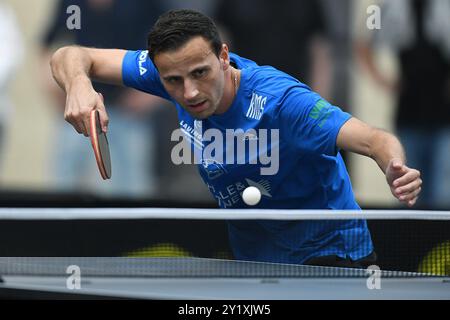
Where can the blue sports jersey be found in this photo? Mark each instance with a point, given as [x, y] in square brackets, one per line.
[279, 136]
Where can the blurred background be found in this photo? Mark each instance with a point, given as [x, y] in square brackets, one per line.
[386, 62]
[395, 77]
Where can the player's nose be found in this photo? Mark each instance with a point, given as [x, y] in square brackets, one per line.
[190, 91]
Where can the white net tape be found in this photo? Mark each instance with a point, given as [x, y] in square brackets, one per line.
[214, 214]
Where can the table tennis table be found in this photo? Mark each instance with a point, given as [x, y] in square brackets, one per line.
[209, 279]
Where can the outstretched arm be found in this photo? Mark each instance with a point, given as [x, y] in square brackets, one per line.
[74, 68]
[357, 136]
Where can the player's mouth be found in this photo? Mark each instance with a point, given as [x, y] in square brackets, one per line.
[198, 107]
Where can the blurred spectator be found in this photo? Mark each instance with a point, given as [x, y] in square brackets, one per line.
[337, 16]
[288, 34]
[107, 24]
[418, 32]
[11, 53]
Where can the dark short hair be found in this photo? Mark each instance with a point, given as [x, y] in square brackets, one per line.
[176, 27]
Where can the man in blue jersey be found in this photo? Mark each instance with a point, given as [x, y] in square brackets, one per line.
[296, 135]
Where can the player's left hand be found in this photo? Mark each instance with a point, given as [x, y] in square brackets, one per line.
[405, 183]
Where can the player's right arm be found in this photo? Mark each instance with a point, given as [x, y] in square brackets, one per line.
[74, 68]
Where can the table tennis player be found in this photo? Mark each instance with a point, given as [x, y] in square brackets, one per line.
[187, 63]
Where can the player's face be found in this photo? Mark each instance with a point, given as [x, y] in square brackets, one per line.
[194, 76]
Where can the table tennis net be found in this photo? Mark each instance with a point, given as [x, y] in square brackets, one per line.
[178, 268]
[158, 242]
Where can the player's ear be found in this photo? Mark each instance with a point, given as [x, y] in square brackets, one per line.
[224, 57]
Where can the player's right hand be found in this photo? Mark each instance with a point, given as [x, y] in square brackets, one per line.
[81, 99]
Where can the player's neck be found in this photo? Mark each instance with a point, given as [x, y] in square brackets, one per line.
[232, 82]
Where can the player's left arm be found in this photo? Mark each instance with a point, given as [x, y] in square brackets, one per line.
[383, 147]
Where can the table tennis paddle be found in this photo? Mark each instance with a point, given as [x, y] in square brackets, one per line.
[100, 145]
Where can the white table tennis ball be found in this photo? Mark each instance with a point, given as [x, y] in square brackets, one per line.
[251, 196]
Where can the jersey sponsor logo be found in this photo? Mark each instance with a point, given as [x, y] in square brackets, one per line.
[213, 169]
[142, 59]
[230, 195]
[193, 133]
[321, 112]
[262, 185]
[234, 146]
[256, 109]
[250, 136]
[198, 125]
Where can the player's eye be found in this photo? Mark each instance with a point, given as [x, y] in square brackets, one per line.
[173, 80]
[199, 73]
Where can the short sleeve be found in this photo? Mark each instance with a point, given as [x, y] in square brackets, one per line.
[311, 123]
[139, 72]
